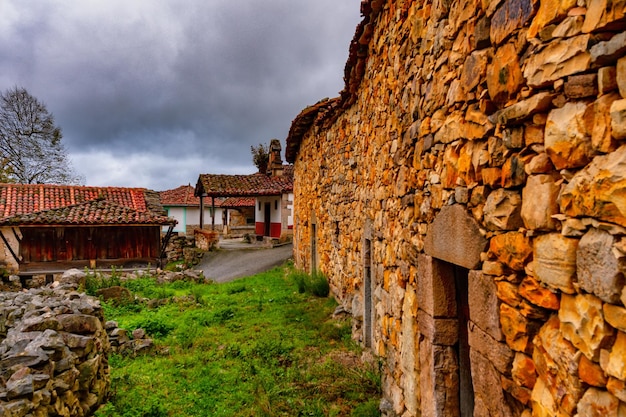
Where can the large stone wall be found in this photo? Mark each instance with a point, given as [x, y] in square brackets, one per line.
[53, 353]
[482, 140]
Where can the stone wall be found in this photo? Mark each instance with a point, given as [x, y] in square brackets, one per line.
[53, 353]
[466, 196]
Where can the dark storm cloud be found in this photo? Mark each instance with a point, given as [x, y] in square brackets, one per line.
[152, 93]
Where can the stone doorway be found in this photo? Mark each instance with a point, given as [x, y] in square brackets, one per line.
[453, 246]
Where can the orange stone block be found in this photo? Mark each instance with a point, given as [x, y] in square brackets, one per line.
[591, 373]
[512, 249]
[540, 296]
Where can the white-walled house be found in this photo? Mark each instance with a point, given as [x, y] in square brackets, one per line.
[181, 204]
[273, 195]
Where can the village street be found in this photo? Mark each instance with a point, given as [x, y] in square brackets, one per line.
[237, 260]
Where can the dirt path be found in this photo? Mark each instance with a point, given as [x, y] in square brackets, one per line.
[228, 264]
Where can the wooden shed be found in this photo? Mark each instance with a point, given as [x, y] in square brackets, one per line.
[50, 228]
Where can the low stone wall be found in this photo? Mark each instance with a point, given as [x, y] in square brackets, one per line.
[205, 239]
[53, 353]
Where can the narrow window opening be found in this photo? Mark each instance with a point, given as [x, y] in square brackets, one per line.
[466, 390]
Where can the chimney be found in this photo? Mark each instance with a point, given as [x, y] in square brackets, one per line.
[275, 165]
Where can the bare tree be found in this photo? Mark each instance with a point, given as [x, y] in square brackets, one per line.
[30, 143]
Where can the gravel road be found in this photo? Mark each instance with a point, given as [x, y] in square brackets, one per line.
[229, 264]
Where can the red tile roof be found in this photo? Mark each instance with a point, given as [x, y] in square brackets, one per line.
[236, 202]
[181, 196]
[214, 185]
[66, 204]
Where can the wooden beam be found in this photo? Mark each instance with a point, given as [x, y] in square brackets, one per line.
[212, 213]
[201, 211]
[6, 242]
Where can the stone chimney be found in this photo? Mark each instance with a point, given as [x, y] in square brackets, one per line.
[275, 164]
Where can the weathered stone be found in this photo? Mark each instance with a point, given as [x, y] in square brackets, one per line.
[618, 389]
[558, 60]
[508, 293]
[617, 76]
[539, 202]
[540, 296]
[510, 16]
[79, 323]
[598, 122]
[607, 78]
[603, 14]
[608, 52]
[498, 353]
[116, 293]
[439, 381]
[504, 75]
[488, 393]
[513, 172]
[591, 373]
[523, 371]
[483, 304]
[458, 127]
[556, 361]
[436, 283]
[502, 210]
[597, 403]
[582, 323]
[612, 360]
[521, 394]
[455, 237]
[512, 249]
[615, 316]
[618, 119]
[521, 110]
[598, 189]
[443, 332]
[549, 12]
[570, 26]
[73, 276]
[493, 268]
[555, 261]
[597, 266]
[516, 328]
[567, 142]
[539, 164]
[533, 135]
[513, 138]
[581, 86]
[474, 70]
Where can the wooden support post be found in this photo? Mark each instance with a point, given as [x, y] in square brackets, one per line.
[212, 213]
[201, 211]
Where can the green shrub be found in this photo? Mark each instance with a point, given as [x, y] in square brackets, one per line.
[154, 327]
[315, 284]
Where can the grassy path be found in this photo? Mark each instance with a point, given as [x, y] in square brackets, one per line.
[252, 347]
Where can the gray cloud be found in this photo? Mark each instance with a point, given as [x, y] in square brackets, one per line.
[153, 93]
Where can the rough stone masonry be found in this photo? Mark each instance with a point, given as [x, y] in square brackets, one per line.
[53, 352]
[466, 197]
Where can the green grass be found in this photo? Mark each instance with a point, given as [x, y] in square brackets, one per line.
[253, 347]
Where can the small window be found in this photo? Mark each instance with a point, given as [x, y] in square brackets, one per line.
[259, 206]
[275, 204]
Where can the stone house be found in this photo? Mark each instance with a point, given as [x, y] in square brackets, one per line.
[232, 215]
[469, 206]
[47, 229]
[272, 194]
[272, 191]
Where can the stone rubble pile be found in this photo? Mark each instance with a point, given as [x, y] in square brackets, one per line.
[53, 353]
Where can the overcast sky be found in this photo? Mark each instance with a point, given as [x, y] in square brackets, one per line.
[151, 93]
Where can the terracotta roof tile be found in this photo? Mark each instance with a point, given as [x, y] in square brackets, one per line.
[181, 196]
[44, 203]
[215, 185]
[235, 202]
